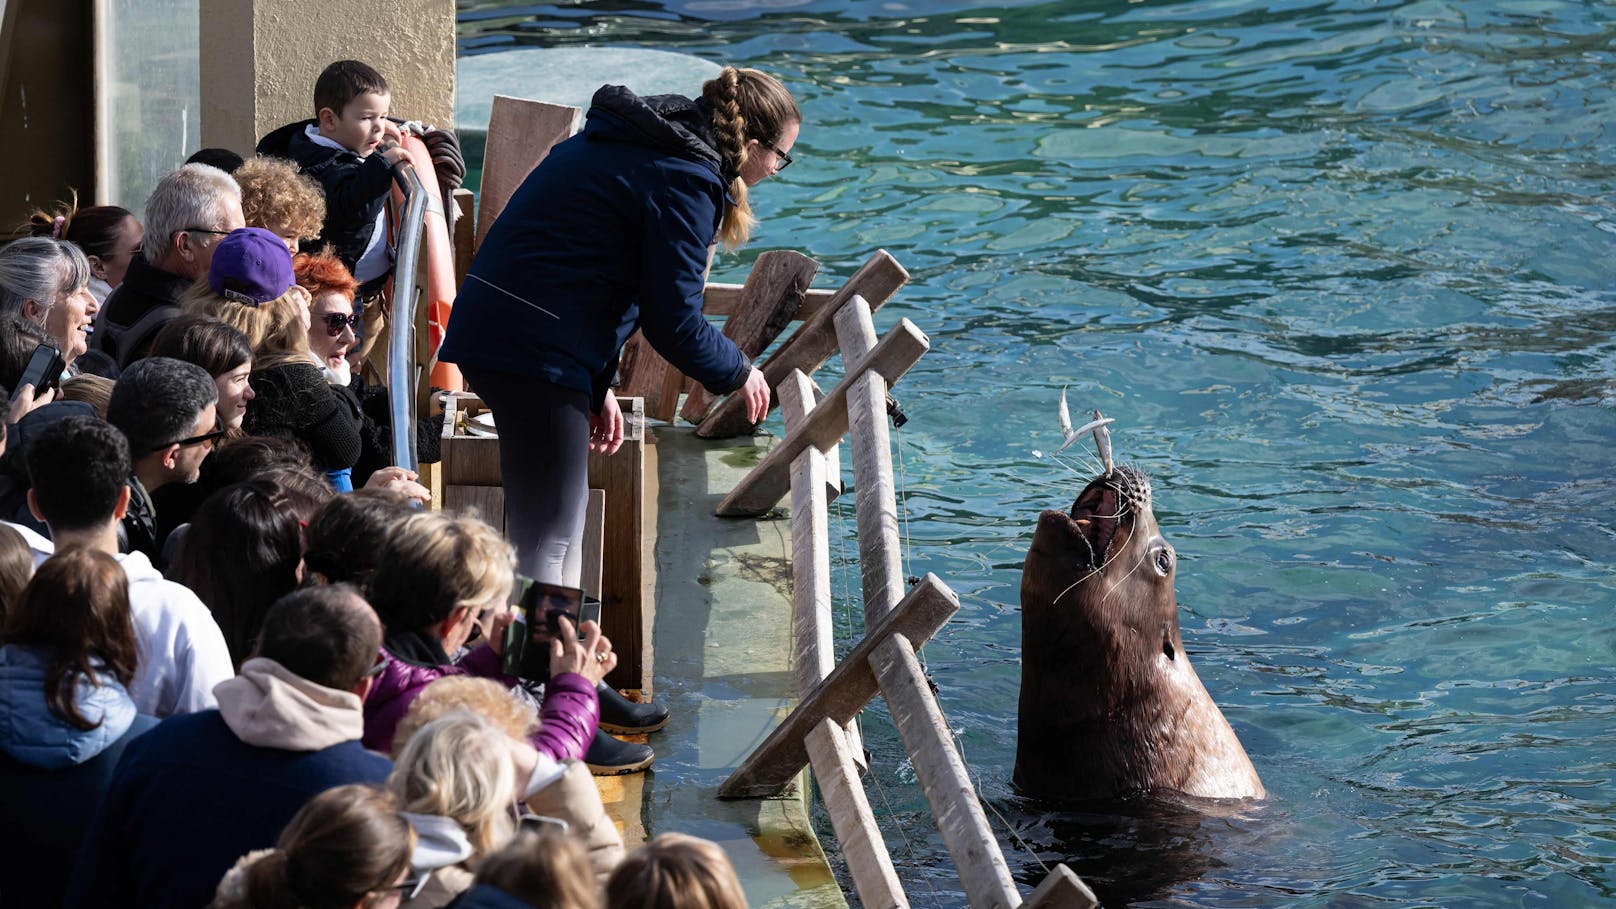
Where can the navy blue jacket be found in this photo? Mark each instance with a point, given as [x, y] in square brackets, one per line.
[188, 799]
[355, 190]
[608, 234]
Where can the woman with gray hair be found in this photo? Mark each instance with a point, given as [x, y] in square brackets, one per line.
[47, 282]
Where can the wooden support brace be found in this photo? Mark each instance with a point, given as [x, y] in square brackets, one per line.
[721, 299]
[856, 831]
[520, 134]
[759, 490]
[943, 776]
[465, 234]
[775, 763]
[594, 542]
[876, 504]
[770, 299]
[1062, 889]
[812, 343]
[646, 374]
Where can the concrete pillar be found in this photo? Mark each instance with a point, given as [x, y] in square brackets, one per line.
[260, 58]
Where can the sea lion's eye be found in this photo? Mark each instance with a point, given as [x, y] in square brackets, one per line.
[1164, 561]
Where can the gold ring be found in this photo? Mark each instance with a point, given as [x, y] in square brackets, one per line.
[600, 656]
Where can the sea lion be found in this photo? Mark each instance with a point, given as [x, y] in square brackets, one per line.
[1110, 705]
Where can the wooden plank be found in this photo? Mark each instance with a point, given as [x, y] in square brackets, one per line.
[942, 775]
[759, 490]
[624, 617]
[1062, 889]
[487, 502]
[646, 374]
[520, 133]
[812, 343]
[857, 835]
[875, 496]
[465, 233]
[771, 297]
[594, 542]
[720, 299]
[775, 763]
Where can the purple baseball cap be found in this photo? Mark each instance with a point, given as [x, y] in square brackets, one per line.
[250, 266]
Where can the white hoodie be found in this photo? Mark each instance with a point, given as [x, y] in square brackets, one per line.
[181, 649]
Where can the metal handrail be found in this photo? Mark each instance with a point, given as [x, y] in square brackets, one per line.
[401, 370]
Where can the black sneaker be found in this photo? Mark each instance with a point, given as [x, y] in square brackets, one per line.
[608, 756]
[620, 715]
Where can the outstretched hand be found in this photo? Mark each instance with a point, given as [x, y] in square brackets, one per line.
[606, 427]
[756, 392]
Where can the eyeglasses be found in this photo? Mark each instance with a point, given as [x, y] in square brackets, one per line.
[202, 230]
[377, 668]
[205, 438]
[785, 159]
[411, 886]
[335, 321]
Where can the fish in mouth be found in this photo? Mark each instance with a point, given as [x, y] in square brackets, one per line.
[1110, 705]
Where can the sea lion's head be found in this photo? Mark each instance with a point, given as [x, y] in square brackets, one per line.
[1105, 568]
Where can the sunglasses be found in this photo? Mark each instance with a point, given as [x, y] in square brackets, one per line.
[205, 438]
[336, 321]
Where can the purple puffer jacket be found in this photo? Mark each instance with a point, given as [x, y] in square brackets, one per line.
[567, 719]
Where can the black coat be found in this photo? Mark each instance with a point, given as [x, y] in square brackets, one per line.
[355, 190]
[294, 400]
[147, 300]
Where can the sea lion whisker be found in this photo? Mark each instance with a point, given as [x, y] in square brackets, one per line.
[1113, 588]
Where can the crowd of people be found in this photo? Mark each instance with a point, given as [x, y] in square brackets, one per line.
[240, 664]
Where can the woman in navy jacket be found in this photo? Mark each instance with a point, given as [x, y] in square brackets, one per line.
[609, 234]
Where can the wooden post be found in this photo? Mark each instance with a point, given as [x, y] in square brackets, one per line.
[520, 134]
[812, 343]
[856, 832]
[624, 615]
[646, 374]
[942, 775]
[594, 543]
[775, 763]
[1062, 889]
[880, 547]
[465, 234]
[759, 490]
[772, 295]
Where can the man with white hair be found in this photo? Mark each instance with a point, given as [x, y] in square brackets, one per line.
[189, 212]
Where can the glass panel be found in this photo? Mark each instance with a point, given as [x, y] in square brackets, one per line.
[153, 93]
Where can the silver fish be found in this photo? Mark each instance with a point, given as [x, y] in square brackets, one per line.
[1070, 435]
[1102, 441]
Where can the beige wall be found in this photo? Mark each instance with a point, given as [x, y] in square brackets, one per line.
[260, 59]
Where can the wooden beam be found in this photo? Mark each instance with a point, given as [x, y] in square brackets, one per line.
[812, 343]
[722, 299]
[646, 374]
[759, 490]
[1062, 889]
[856, 832]
[876, 504]
[942, 775]
[775, 763]
[771, 297]
[624, 615]
[520, 133]
[465, 234]
[594, 542]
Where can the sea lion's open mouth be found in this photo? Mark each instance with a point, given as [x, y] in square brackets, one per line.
[1105, 506]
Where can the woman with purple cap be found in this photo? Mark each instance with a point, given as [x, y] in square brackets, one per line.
[251, 286]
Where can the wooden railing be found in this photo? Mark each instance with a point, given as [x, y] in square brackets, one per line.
[897, 621]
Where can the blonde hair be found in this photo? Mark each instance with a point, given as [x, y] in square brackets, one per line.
[433, 563]
[274, 329]
[276, 196]
[747, 104]
[484, 697]
[459, 766]
[542, 869]
[95, 391]
[675, 871]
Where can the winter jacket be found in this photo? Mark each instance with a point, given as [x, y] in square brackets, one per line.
[138, 530]
[355, 190]
[487, 896]
[575, 798]
[200, 791]
[610, 233]
[567, 718]
[294, 400]
[52, 774]
[182, 652]
[148, 299]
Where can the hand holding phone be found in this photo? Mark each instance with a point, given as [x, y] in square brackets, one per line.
[44, 369]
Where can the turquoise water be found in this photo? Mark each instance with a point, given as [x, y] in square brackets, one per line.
[1342, 272]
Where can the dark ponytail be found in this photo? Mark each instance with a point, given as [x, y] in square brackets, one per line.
[346, 845]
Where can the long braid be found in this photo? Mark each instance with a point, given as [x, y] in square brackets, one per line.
[729, 125]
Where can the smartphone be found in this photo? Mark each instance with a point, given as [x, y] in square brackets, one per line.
[539, 610]
[44, 369]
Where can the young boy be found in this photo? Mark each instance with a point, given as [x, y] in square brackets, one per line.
[350, 147]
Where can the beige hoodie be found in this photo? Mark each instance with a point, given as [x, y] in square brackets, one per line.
[268, 706]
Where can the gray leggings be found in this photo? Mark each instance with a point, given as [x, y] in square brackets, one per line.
[544, 463]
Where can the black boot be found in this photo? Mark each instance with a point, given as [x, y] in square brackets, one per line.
[621, 715]
[608, 756]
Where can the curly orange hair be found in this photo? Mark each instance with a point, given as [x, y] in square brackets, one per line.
[323, 273]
